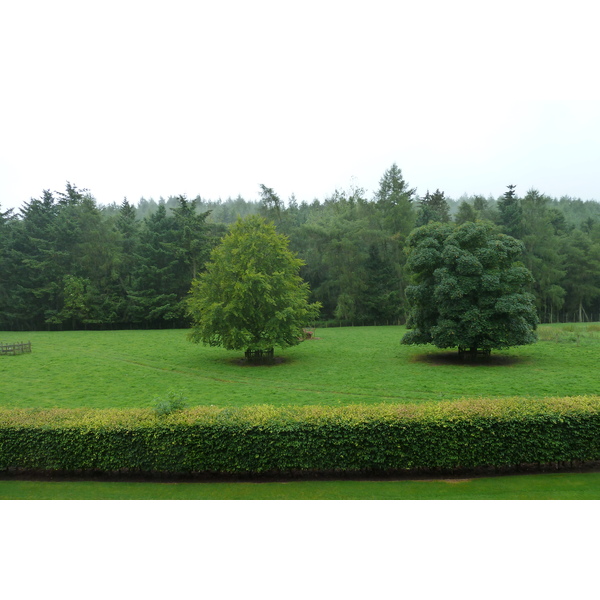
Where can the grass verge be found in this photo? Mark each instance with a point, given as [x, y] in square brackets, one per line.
[546, 486]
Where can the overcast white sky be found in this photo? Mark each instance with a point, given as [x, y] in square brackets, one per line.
[214, 98]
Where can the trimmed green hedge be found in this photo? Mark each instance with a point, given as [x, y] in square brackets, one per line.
[258, 440]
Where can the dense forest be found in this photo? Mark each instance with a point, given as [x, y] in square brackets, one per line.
[68, 262]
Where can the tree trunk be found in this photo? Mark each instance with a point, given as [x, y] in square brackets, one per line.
[472, 353]
[260, 357]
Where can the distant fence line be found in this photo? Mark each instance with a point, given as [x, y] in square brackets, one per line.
[20, 348]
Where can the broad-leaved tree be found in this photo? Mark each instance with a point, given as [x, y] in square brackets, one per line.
[469, 290]
[251, 297]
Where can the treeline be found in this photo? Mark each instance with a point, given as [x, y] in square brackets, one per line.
[66, 262]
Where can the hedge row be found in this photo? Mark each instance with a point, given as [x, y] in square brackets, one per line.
[259, 440]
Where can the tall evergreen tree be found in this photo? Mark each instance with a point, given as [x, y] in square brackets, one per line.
[128, 227]
[395, 200]
[7, 276]
[395, 218]
[582, 278]
[433, 208]
[381, 302]
[270, 204]
[39, 265]
[190, 240]
[336, 242]
[541, 254]
[511, 213]
[153, 295]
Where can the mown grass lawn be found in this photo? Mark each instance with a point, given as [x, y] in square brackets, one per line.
[545, 486]
[126, 369]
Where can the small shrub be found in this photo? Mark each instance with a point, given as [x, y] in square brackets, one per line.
[174, 402]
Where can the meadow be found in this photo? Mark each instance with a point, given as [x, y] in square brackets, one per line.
[341, 366]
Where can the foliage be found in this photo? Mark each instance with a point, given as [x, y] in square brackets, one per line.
[468, 291]
[433, 208]
[68, 263]
[353, 249]
[270, 204]
[511, 212]
[333, 241]
[466, 212]
[264, 439]
[541, 253]
[251, 296]
[581, 282]
[174, 402]
[395, 200]
[174, 249]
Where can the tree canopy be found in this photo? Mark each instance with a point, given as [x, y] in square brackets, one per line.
[433, 207]
[251, 296]
[469, 290]
[67, 262]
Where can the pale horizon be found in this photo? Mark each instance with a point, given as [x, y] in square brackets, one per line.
[134, 100]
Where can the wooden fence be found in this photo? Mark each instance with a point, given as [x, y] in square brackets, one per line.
[20, 348]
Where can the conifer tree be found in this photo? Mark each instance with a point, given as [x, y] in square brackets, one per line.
[511, 213]
[433, 208]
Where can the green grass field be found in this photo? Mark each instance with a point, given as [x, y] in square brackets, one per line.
[553, 486]
[126, 369]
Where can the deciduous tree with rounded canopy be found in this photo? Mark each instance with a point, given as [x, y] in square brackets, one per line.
[469, 290]
[251, 296]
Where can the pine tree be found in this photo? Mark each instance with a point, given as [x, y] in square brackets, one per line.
[511, 213]
[433, 208]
